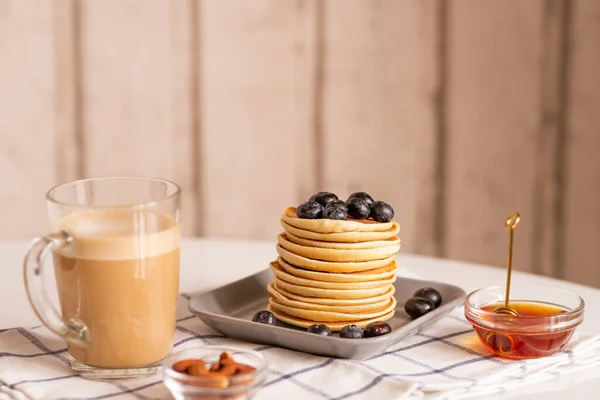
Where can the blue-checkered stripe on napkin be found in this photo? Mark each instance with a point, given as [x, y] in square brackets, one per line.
[444, 361]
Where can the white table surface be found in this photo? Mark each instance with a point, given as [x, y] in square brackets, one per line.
[206, 264]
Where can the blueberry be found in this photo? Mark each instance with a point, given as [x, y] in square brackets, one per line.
[431, 294]
[363, 196]
[335, 213]
[377, 328]
[358, 208]
[310, 210]
[352, 332]
[418, 306]
[337, 203]
[323, 198]
[382, 212]
[319, 329]
[264, 317]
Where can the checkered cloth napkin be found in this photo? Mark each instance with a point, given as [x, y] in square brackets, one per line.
[444, 361]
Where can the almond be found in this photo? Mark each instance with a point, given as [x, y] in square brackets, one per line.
[226, 358]
[183, 365]
[217, 376]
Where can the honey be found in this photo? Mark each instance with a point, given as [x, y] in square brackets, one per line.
[524, 336]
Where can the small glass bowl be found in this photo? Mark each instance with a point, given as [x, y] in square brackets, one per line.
[550, 318]
[186, 387]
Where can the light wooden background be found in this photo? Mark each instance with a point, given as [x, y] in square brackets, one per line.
[457, 112]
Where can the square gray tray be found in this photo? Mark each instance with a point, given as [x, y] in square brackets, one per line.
[229, 310]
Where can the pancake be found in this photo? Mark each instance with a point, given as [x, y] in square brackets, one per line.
[332, 301]
[323, 225]
[291, 279]
[334, 326]
[342, 237]
[338, 255]
[331, 293]
[351, 308]
[330, 266]
[330, 316]
[340, 245]
[384, 272]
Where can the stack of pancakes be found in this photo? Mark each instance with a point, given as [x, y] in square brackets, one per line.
[334, 272]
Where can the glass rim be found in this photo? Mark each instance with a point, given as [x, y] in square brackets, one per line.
[51, 198]
[469, 307]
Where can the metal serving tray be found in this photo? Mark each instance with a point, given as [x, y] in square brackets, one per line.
[229, 310]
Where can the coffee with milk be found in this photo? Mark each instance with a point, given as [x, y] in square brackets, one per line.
[119, 277]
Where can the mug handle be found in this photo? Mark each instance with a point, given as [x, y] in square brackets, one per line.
[71, 330]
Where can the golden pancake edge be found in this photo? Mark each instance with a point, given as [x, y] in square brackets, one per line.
[395, 240]
[338, 255]
[281, 274]
[331, 316]
[330, 266]
[331, 293]
[385, 272]
[342, 237]
[334, 301]
[353, 308]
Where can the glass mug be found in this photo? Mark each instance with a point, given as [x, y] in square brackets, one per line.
[115, 248]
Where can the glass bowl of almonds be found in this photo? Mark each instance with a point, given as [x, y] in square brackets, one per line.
[214, 373]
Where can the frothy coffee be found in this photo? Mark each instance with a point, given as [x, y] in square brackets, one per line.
[120, 277]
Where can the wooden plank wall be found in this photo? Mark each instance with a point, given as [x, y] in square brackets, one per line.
[456, 112]
[580, 250]
[27, 93]
[135, 86]
[256, 95]
[492, 115]
[377, 124]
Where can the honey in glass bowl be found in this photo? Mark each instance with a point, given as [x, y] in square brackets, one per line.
[546, 321]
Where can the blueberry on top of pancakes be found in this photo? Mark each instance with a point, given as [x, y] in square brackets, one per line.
[363, 196]
[382, 212]
[310, 210]
[335, 213]
[323, 198]
[358, 208]
[337, 203]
